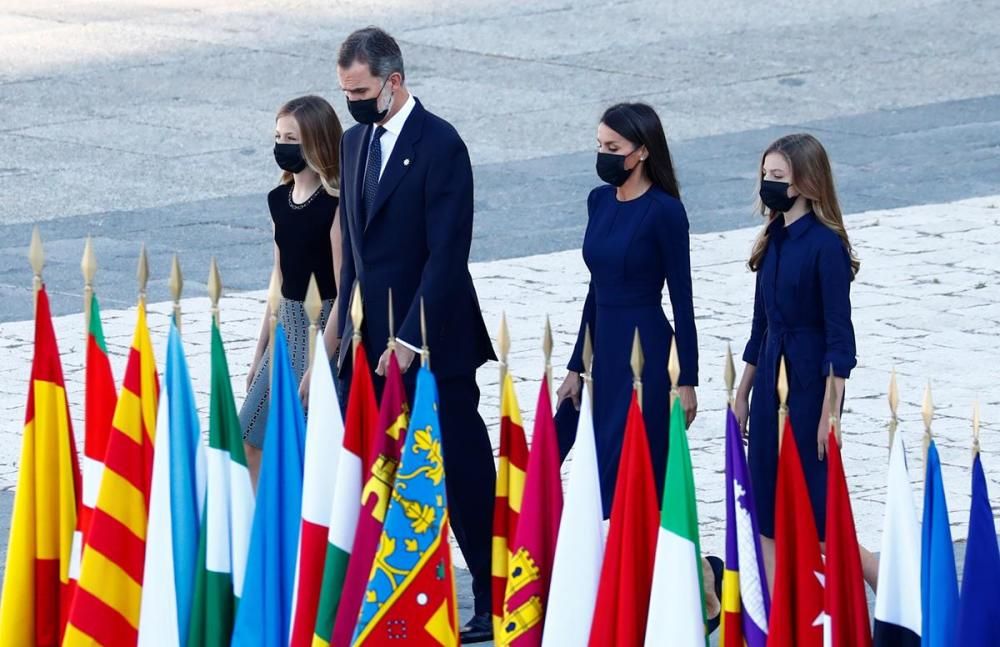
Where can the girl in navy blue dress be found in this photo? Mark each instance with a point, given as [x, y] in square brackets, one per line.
[637, 239]
[802, 310]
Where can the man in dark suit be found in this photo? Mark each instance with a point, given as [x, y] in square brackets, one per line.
[406, 212]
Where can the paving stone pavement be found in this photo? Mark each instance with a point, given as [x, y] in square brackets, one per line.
[927, 303]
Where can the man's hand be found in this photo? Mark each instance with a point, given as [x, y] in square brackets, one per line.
[404, 356]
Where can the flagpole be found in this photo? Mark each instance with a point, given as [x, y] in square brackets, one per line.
[214, 289]
[674, 370]
[36, 256]
[729, 375]
[975, 430]
[928, 415]
[503, 341]
[88, 267]
[425, 351]
[357, 318]
[314, 308]
[176, 285]
[274, 302]
[783, 399]
[893, 408]
[547, 352]
[391, 343]
[637, 363]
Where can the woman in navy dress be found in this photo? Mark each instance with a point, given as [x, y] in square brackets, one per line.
[637, 239]
[802, 310]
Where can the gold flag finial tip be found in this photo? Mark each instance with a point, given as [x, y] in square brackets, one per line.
[214, 283]
[588, 350]
[176, 282]
[975, 427]
[928, 408]
[357, 310]
[503, 338]
[36, 253]
[729, 372]
[893, 394]
[88, 264]
[637, 357]
[547, 340]
[314, 302]
[783, 381]
[142, 273]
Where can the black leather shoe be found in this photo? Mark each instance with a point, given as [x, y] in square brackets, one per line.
[478, 630]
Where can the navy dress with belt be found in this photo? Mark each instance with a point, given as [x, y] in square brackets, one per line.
[630, 248]
[802, 310]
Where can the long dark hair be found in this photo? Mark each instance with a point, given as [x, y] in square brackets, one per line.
[639, 123]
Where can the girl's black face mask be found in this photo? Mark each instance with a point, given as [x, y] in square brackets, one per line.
[289, 157]
[775, 196]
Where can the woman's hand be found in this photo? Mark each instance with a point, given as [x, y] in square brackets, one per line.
[254, 365]
[570, 389]
[741, 407]
[304, 388]
[689, 402]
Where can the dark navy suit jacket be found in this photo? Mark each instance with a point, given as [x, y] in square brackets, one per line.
[416, 241]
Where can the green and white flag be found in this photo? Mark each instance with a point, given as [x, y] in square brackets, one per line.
[677, 604]
[225, 533]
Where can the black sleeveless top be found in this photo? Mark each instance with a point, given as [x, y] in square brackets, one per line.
[302, 233]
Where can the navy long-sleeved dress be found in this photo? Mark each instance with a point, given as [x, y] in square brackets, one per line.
[630, 248]
[802, 310]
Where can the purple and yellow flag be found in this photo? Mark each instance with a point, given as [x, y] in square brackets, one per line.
[745, 601]
[410, 596]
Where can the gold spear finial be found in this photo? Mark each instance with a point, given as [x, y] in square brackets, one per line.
[893, 407]
[36, 256]
[547, 352]
[273, 303]
[637, 364]
[214, 289]
[729, 374]
[831, 396]
[975, 429]
[176, 285]
[782, 399]
[142, 273]
[357, 315]
[425, 351]
[391, 343]
[88, 267]
[314, 308]
[588, 360]
[928, 413]
[503, 342]
[673, 369]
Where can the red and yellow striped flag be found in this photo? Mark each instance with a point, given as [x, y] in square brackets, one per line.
[106, 605]
[513, 463]
[36, 585]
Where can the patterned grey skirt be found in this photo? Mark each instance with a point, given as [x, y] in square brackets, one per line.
[295, 321]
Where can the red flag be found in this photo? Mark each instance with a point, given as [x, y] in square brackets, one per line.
[627, 573]
[379, 476]
[797, 616]
[846, 603]
[36, 584]
[537, 529]
[511, 468]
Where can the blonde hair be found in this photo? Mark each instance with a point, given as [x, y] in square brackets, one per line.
[813, 177]
[320, 132]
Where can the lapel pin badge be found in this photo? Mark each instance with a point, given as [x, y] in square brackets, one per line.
[406, 162]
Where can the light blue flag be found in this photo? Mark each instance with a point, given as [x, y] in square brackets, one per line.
[265, 610]
[176, 508]
[979, 613]
[938, 577]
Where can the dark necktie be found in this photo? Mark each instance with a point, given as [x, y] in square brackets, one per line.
[372, 170]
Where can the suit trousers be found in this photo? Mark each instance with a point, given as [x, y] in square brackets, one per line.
[470, 473]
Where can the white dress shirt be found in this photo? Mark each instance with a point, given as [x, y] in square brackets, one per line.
[387, 142]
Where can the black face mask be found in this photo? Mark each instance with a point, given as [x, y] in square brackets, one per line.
[289, 157]
[775, 196]
[365, 111]
[611, 168]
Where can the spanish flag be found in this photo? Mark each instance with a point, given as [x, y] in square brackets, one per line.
[36, 585]
[106, 604]
[513, 464]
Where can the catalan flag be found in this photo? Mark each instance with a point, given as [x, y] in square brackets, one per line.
[745, 600]
[100, 399]
[410, 595]
[359, 431]
[382, 463]
[324, 440]
[513, 463]
[229, 508]
[106, 604]
[36, 584]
